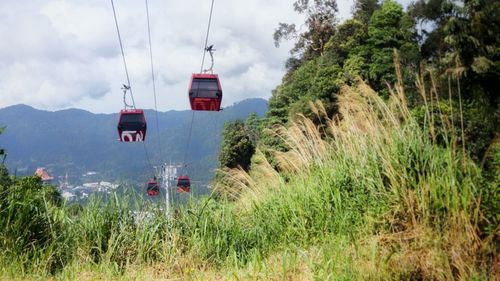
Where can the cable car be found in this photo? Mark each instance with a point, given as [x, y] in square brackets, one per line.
[183, 184]
[152, 188]
[205, 92]
[132, 125]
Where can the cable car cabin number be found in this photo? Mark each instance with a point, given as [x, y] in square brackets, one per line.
[132, 125]
[205, 92]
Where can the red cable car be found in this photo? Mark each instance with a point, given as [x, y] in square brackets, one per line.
[183, 184]
[152, 188]
[205, 92]
[132, 125]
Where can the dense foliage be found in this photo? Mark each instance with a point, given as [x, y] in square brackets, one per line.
[443, 56]
[237, 147]
[451, 45]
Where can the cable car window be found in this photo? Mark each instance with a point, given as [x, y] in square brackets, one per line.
[132, 118]
[183, 182]
[205, 88]
[206, 84]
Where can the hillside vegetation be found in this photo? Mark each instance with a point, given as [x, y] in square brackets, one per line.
[377, 199]
[75, 142]
[379, 159]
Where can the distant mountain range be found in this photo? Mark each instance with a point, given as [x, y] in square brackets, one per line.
[76, 142]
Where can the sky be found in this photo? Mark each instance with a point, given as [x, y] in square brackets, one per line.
[59, 54]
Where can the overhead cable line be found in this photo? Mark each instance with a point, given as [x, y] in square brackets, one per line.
[128, 87]
[123, 53]
[148, 158]
[201, 70]
[153, 79]
[206, 38]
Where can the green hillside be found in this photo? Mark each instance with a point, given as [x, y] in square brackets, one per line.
[76, 141]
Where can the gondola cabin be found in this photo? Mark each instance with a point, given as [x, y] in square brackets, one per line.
[205, 92]
[183, 184]
[132, 125]
[152, 188]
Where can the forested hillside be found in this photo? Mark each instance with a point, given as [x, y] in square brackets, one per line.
[76, 141]
[381, 126]
[378, 159]
[448, 49]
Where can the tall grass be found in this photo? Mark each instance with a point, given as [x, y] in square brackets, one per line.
[373, 175]
[369, 194]
[40, 238]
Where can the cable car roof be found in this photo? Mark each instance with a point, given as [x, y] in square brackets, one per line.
[131, 111]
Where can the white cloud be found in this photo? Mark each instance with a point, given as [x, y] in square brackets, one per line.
[65, 53]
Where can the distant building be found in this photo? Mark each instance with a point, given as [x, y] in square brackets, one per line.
[44, 175]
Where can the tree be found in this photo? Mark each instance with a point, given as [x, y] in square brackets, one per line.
[290, 91]
[462, 46]
[364, 9]
[348, 42]
[465, 40]
[435, 13]
[253, 127]
[320, 25]
[237, 147]
[390, 28]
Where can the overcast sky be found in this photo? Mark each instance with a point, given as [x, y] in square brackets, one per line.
[58, 54]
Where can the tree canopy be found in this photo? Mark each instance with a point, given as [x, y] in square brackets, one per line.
[237, 147]
[454, 44]
[320, 26]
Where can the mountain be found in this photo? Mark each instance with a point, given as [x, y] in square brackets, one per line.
[75, 141]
